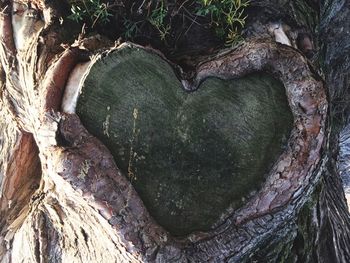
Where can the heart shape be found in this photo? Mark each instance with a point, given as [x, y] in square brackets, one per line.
[190, 156]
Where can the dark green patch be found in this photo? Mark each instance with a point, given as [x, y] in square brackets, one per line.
[189, 155]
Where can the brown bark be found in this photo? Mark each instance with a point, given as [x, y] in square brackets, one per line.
[85, 210]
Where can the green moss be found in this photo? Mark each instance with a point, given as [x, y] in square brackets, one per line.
[189, 155]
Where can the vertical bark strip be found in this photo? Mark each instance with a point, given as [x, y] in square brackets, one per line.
[6, 36]
[20, 175]
[334, 28]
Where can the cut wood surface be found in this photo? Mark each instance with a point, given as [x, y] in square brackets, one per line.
[190, 155]
[232, 161]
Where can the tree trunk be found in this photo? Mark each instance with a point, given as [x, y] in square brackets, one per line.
[70, 193]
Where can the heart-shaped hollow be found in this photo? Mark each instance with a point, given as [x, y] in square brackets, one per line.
[190, 156]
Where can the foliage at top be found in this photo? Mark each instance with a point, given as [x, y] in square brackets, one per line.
[225, 17]
[90, 11]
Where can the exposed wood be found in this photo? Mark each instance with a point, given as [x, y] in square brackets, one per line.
[68, 163]
[85, 209]
[190, 155]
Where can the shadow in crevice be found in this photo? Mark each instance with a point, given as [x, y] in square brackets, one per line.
[21, 175]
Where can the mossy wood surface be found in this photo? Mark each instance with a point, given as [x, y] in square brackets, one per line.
[190, 156]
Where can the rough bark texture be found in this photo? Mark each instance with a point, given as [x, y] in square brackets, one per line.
[85, 209]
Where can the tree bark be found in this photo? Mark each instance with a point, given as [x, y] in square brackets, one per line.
[63, 198]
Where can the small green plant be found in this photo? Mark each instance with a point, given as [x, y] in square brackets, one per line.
[92, 11]
[226, 16]
[157, 19]
[132, 28]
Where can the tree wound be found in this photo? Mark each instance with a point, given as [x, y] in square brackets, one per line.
[190, 156]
